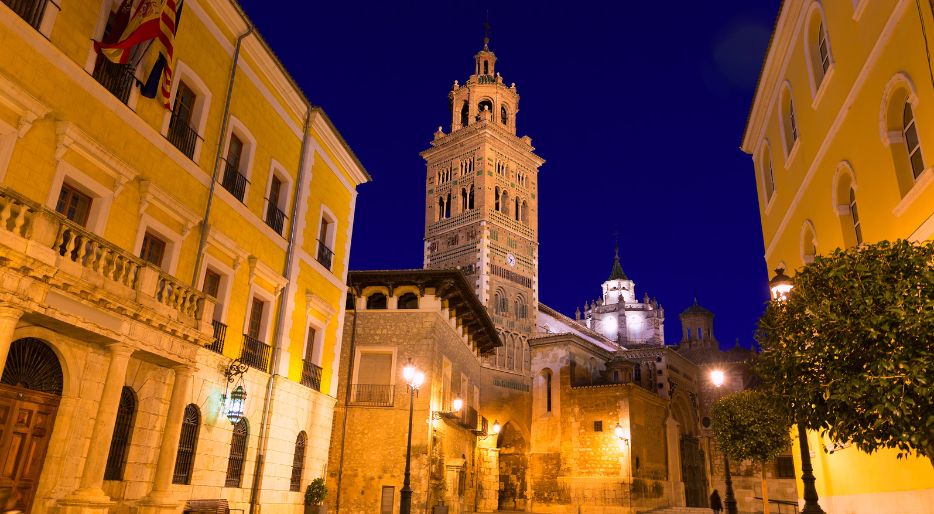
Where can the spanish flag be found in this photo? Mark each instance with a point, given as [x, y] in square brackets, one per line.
[155, 21]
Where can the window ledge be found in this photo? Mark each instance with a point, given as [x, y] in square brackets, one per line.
[922, 184]
[790, 156]
[822, 88]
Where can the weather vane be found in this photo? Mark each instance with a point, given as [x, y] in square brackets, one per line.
[486, 30]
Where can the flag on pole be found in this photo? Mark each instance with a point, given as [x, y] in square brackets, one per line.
[118, 22]
[160, 76]
[145, 24]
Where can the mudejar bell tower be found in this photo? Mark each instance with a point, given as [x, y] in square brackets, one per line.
[481, 205]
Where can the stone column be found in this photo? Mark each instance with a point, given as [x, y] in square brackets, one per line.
[165, 466]
[9, 317]
[92, 479]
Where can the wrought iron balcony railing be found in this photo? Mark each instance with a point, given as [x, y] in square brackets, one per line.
[325, 255]
[29, 10]
[182, 136]
[371, 395]
[220, 333]
[311, 375]
[255, 353]
[116, 78]
[275, 218]
[234, 181]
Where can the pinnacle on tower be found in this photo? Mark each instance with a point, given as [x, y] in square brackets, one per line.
[617, 272]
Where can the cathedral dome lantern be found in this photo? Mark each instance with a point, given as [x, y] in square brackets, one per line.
[697, 327]
[618, 288]
[486, 62]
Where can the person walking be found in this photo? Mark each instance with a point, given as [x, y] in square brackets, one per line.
[715, 504]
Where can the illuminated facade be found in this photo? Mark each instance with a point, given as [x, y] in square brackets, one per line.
[144, 250]
[842, 151]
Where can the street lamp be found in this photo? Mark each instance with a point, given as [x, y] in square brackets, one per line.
[781, 286]
[414, 378]
[233, 403]
[718, 377]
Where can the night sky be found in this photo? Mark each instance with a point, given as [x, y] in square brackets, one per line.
[638, 109]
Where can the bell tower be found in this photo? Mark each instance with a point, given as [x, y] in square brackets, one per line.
[481, 204]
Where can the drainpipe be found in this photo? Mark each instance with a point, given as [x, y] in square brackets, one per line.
[340, 462]
[280, 322]
[225, 119]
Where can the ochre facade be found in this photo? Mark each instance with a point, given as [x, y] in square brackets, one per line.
[842, 144]
[145, 249]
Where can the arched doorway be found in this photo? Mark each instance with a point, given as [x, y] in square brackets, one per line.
[693, 463]
[513, 463]
[30, 391]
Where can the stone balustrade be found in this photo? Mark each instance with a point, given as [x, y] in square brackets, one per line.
[64, 240]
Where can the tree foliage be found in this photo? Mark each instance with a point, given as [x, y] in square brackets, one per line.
[852, 348]
[750, 425]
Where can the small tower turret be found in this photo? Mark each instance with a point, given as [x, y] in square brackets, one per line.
[697, 328]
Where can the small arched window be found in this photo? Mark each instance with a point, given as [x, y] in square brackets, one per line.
[465, 114]
[808, 242]
[470, 198]
[789, 121]
[503, 115]
[912, 143]
[238, 444]
[408, 301]
[187, 444]
[486, 110]
[525, 212]
[447, 207]
[298, 462]
[504, 203]
[548, 391]
[463, 199]
[376, 301]
[440, 208]
[518, 209]
[486, 67]
[817, 47]
[497, 203]
[854, 215]
[123, 430]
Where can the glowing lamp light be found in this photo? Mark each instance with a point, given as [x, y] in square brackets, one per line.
[408, 372]
[417, 380]
[235, 404]
[717, 377]
[780, 285]
[496, 428]
[619, 432]
[457, 404]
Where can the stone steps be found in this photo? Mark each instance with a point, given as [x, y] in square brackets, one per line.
[680, 510]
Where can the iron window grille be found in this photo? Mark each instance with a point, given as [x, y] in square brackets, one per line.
[325, 254]
[187, 443]
[255, 353]
[220, 333]
[298, 462]
[31, 11]
[311, 375]
[238, 441]
[123, 429]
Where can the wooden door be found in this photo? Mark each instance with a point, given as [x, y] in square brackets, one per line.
[26, 419]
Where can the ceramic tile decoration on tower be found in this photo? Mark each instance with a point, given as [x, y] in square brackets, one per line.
[144, 249]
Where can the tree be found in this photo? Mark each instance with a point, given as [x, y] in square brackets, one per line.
[750, 425]
[852, 347]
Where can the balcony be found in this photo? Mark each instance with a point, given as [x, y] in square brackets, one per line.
[275, 218]
[220, 333]
[29, 10]
[182, 136]
[33, 237]
[255, 353]
[311, 375]
[234, 181]
[116, 78]
[325, 255]
[371, 395]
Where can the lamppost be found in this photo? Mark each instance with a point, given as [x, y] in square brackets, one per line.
[234, 402]
[414, 378]
[718, 377]
[781, 285]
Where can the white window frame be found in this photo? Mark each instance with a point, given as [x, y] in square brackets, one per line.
[269, 299]
[236, 127]
[807, 226]
[224, 288]
[277, 169]
[9, 135]
[202, 107]
[331, 237]
[813, 47]
[318, 350]
[173, 242]
[101, 196]
[790, 147]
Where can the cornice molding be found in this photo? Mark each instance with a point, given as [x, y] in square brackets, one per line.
[151, 194]
[262, 270]
[227, 246]
[27, 107]
[70, 137]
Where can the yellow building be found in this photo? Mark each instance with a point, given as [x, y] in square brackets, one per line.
[143, 250]
[842, 143]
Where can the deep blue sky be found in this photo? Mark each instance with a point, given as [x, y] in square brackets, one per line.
[637, 107]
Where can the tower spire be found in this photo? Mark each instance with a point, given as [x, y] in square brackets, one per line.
[486, 31]
[617, 272]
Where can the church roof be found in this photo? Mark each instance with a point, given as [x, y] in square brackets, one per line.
[617, 272]
[696, 309]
